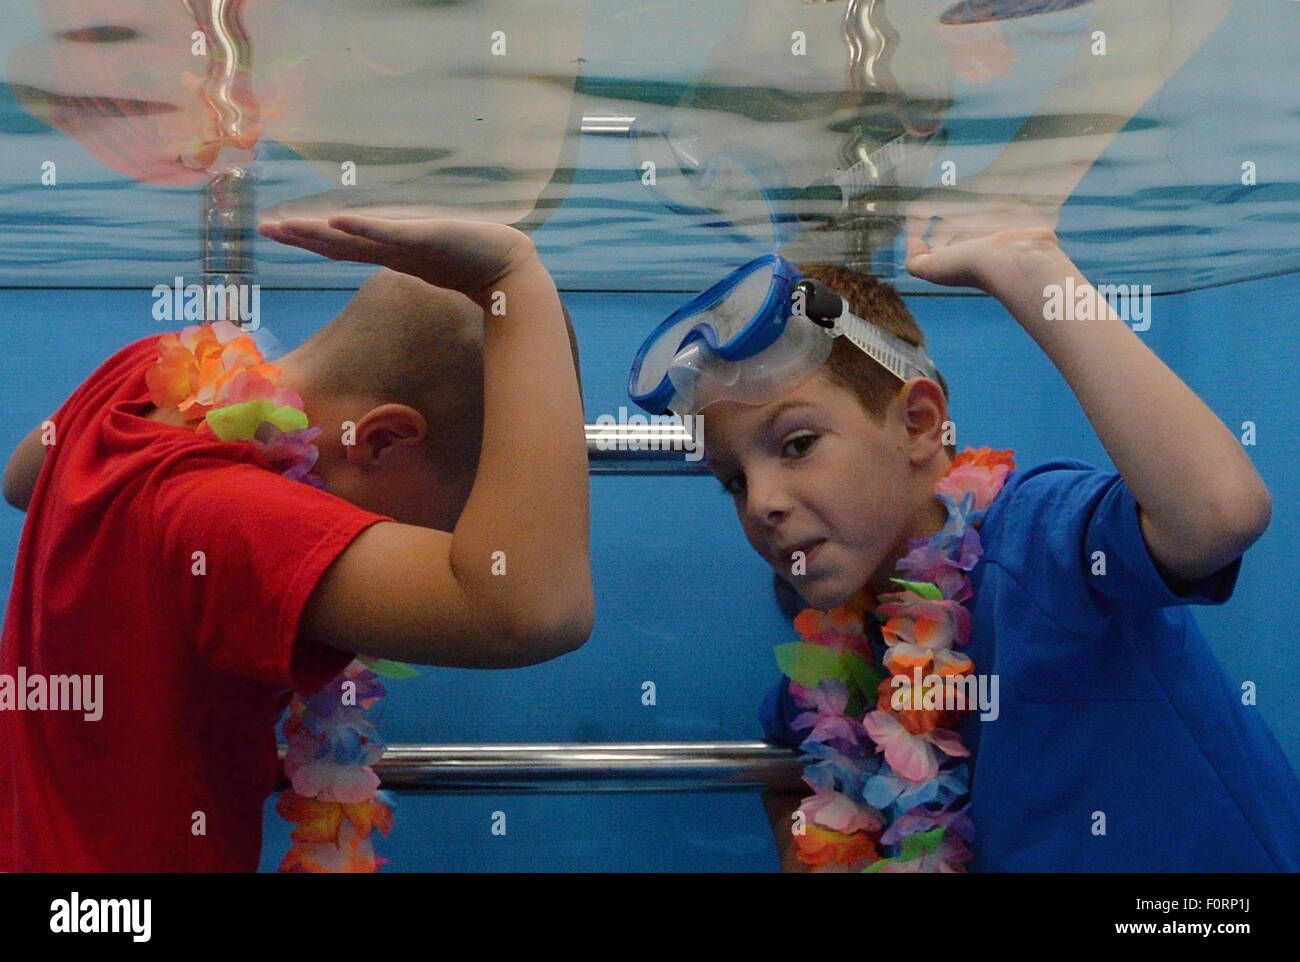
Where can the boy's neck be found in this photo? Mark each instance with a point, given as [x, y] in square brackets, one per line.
[927, 524]
[293, 377]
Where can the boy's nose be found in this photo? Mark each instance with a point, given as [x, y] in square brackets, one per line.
[767, 500]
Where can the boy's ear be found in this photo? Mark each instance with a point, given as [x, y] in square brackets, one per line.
[386, 425]
[925, 406]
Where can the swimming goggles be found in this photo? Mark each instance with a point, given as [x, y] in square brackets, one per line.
[756, 334]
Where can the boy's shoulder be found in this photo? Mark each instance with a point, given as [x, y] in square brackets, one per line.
[1070, 534]
[1057, 470]
[126, 359]
[1033, 495]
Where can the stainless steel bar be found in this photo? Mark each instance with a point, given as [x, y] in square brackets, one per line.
[229, 216]
[644, 449]
[611, 767]
[228, 222]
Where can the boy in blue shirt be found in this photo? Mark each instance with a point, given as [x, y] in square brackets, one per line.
[1116, 742]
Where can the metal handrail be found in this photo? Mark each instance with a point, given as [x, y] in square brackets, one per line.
[608, 767]
[643, 449]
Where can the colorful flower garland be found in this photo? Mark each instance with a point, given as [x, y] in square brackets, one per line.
[911, 799]
[214, 372]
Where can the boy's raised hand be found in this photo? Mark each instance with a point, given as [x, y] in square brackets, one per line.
[990, 262]
[461, 255]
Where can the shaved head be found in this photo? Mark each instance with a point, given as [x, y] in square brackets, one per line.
[400, 340]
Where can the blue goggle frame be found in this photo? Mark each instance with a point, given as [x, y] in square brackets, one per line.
[758, 333]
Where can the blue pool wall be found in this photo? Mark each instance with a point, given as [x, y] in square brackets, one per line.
[681, 599]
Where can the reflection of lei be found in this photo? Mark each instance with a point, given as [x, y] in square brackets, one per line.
[912, 799]
[215, 372]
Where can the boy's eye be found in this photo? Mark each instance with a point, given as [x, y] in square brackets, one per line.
[800, 444]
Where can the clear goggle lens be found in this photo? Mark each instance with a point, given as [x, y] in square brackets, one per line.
[740, 341]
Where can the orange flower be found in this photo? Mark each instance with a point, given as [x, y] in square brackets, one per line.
[323, 821]
[195, 367]
[984, 458]
[846, 617]
[823, 846]
[902, 658]
[809, 621]
[353, 854]
[922, 721]
[324, 859]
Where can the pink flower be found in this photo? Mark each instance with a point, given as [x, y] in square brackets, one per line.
[921, 621]
[292, 453]
[912, 757]
[326, 781]
[840, 813]
[984, 482]
[828, 721]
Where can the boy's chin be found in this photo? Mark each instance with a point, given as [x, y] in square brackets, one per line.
[823, 593]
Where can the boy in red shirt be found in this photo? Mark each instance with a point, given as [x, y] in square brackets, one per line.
[195, 587]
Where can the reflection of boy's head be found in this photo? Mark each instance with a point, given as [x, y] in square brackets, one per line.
[404, 362]
[841, 468]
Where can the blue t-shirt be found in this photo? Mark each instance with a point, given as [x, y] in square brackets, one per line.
[1110, 700]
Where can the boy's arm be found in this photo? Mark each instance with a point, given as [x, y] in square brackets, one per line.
[512, 584]
[531, 498]
[23, 470]
[1202, 503]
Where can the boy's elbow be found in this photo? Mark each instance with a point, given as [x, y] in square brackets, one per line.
[572, 626]
[1252, 514]
[572, 633]
[1265, 516]
[1242, 520]
[16, 497]
[9, 487]
[549, 632]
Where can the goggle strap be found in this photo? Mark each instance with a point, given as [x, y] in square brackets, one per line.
[900, 358]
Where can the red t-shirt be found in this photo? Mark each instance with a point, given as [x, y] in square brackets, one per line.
[196, 666]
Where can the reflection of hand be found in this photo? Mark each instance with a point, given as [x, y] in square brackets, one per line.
[460, 255]
[976, 210]
[988, 261]
[977, 50]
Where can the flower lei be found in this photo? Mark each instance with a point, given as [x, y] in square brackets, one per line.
[215, 373]
[912, 800]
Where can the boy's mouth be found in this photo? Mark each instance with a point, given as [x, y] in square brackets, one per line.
[809, 549]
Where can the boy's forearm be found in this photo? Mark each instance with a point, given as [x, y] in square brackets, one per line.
[1185, 468]
[530, 497]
